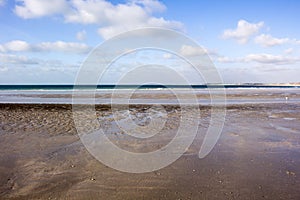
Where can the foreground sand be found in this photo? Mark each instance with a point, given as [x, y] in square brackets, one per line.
[257, 157]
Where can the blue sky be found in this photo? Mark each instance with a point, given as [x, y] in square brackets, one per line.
[44, 42]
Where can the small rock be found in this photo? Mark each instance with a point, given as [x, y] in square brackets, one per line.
[158, 173]
[290, 173]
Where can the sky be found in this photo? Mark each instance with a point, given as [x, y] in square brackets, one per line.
[45, 42]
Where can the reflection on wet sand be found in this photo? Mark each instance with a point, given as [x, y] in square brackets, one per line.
[257, 156]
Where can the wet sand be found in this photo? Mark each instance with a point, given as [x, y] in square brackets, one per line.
[257, 157]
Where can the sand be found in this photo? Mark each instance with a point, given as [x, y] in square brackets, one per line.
[256, 157]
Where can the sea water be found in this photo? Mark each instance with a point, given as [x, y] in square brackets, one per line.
[151, 94]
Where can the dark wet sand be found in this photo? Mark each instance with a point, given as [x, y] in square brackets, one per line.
[257, 157]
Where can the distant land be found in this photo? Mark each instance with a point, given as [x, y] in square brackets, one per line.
[148, 86]
[262, 84]
[268, 84]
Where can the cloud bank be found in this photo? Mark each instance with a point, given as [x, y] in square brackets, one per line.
[58, 46]
[111, 18]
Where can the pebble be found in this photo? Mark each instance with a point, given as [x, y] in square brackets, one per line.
[158, 173]
[290, 173]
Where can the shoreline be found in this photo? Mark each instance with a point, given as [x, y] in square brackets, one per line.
[108, 106]
[151, 97]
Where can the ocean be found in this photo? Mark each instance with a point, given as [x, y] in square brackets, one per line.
[148, 94]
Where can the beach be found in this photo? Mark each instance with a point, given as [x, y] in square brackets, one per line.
[149, 100]
[256, 156]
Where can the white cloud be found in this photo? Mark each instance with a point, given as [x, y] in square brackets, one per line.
[81, 35]
[70, 47]
[243, 31]
[167, 55]
[289, 51]
[3, 69]
[15, 59]
[294, 41]
[261, 59]
[88, 12]
[225, 59]
[37, 8]
[21, 61]
[58, 46]
[116, 28]
[15, 45]
[271, 59]
[150, 5]
[2, 2]
[112, 18]
[187, 50]
[269, 41]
